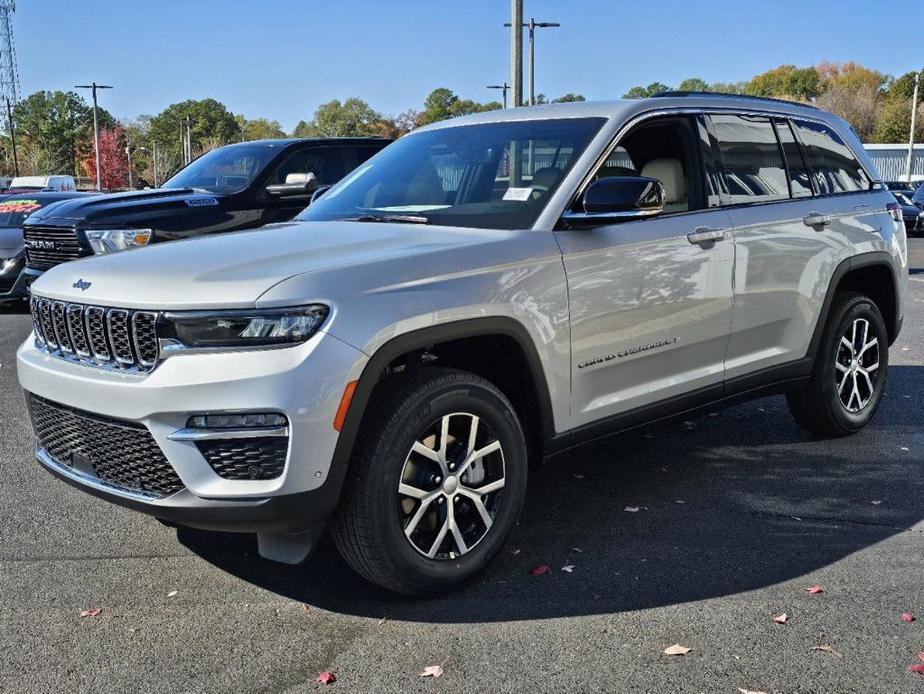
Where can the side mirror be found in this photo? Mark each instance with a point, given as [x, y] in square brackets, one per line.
[618, 199]
[296, 185]
[318, 193]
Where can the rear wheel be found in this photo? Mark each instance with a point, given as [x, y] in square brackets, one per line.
[850, 370]
[436, 485]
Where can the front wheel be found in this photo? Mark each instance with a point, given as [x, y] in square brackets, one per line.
[850, 370]
[436, 485]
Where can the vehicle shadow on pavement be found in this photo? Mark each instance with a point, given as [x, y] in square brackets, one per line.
[724, 502]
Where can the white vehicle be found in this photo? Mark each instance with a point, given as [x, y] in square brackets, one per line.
[57, 183]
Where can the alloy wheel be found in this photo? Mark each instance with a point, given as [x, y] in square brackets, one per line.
[856, 366]
[451, 486]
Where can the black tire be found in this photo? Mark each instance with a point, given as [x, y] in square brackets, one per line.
[368, 528]
[819, 407]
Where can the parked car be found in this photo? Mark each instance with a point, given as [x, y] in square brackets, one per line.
[235, 187]
[14, 210]
[494, 288]
[37, 184]
[912, 215]
[899, 186]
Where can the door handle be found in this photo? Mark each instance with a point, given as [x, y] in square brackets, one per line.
[706, 235]
[816, 220]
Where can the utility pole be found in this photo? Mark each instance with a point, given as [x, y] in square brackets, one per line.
[503, 87]
[516, 52]
[914, 115]
[154, 155]
[128, 153]
[532, 25]
[94, 86]
[9, 116]
[188, 139]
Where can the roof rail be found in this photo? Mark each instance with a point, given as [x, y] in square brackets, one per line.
[734, 96]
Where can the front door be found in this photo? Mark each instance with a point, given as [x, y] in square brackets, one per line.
[650, 303]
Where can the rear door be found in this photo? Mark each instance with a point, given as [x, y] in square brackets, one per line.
[786, 246]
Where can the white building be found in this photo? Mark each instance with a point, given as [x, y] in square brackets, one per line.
[892, 161]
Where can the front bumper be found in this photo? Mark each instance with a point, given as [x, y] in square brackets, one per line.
[304, 382]
[14, 288]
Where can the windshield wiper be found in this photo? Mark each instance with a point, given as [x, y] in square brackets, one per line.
[401, 218]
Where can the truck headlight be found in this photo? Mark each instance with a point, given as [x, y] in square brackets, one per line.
[111, 240]
[241, 329]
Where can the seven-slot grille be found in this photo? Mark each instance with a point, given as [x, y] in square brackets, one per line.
[50, 246]
[121, 454]
[96, 335]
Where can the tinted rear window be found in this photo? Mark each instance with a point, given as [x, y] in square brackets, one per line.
[754, 169]
[834, 167]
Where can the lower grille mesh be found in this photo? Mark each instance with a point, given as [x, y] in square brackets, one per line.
[121, 454]
[246, 459]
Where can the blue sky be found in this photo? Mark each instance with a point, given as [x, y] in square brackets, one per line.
[281, 59]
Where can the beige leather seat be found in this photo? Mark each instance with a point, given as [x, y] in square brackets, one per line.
[670, 173]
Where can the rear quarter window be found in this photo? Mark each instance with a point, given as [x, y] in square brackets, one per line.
[834, 167]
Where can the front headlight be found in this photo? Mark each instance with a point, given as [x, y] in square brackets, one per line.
[111, 240]
[245, 328]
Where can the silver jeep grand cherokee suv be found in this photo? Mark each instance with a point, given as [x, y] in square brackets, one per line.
[483, 292]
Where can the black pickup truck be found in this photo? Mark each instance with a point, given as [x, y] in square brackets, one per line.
[239, 186]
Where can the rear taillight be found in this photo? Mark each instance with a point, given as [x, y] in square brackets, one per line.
[894, 210]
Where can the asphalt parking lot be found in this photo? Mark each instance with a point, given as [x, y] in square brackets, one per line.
[738, 512]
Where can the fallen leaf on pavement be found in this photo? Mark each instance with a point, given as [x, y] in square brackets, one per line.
[781, 619]
[916, 668]
[907, 617]
[576, 549]
[577, 475]
[327, 678]
[814, 590]
[632, 509]
[876, 502]
[539, 570]
[677, 649]
[568, 568]
[921, 655]
[828, 649]
[748, 691]
[92, 612]
[172, 593]
[432, 671]
[905, 448]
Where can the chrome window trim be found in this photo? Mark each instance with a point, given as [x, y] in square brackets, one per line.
[704, 110]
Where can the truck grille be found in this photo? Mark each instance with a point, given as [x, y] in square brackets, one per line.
[50, 246]
[121, 454]
[96, 335]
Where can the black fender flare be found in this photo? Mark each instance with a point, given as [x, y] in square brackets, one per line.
[857, 262]
[433, 335]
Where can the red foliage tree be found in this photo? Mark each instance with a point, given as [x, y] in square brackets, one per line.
[113, 161]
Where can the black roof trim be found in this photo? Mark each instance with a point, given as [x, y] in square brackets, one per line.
[735, 96]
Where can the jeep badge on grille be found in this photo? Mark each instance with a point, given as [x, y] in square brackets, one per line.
[82, 285]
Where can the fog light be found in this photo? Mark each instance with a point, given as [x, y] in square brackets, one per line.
[254, 420]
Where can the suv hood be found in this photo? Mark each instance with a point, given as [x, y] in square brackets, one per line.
[130, 208]
[233, 270]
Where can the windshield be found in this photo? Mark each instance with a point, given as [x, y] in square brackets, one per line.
[224, 170]
[14, 212]
[490, 176]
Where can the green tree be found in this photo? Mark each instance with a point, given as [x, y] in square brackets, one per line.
[210, 121]
[352, 118]
[58, 126]
[694, 84]
[259, 128]
[306, 129]
[646, 92]
[786, 81]
[568, 98]
[442, 103]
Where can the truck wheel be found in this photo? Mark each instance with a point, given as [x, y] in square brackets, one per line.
[436, 483]
[850, 370]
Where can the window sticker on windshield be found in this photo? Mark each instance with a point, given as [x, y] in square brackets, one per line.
[519, 194]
